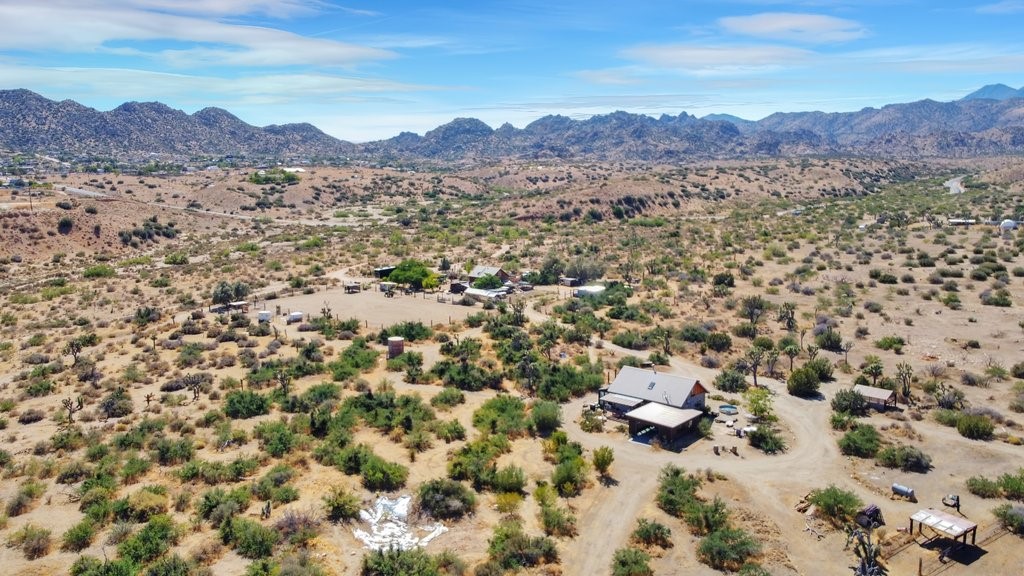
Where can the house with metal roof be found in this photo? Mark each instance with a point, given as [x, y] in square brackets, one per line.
[647, 398]
[479, 271]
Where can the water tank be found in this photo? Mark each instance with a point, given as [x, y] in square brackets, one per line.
[901, 490]
[396, 346]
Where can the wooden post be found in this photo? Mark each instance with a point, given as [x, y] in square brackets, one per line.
[920, 566]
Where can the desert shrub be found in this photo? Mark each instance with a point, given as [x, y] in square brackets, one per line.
[545, 417]
[947, 417]
[92, 566]
[33, 541]
[557, 521]
[511, 548]
[250, 538]
[445, 499]
[975, 426]
[168, 452]
[706, 517]
[631, 562]
[218, 504]
[298, 527]
[727, 548]
[803, 382]
[837, 505]
[510, 479]
[983, 487]
[273, 485]
[1012, 485]
[503, 414]
[1011, 517]
[23, 499]
[730, 380]
[718, 341]
[862, 441]
[31, 416]
[245, 404]
[676, 490]
[850, 402]
[449, 431]
[151, 542]
[652, 533]
[116, 404]
[447, 398]
[822, 367]
[767, 440]
[341, 505]
[395, 561]
[172, 565]
[380, 475]
[893, 343]
[906, 458]
[276, 438]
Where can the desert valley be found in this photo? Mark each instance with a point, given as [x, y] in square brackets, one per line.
[465, 354]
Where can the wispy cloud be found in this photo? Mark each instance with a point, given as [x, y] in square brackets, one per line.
[716, 60]
[946, 58]
[804, 28]
[1005, 7]
[93, 29]
[360, 12]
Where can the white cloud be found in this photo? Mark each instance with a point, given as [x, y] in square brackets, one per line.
[806, 28]
[72, 28]
[712, 60]
[1005, 7]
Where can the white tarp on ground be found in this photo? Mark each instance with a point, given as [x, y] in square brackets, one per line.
[389, 526]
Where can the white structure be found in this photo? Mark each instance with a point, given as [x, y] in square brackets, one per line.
[294, 317]
[264, 316]
[1007, 225]
[589, 290]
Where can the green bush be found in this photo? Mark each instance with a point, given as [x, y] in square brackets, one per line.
[803, 382]
[510, 479]
[862, 441]
[821, 367]
[975, 426]
[1011, 517]
[727, 549]
[850, 402]
[168, 452]
[557, 521]
[99, 271]
[836, 504]
[730, 380]
[341, 505]
[906, 458]
[398, 562]
[545, 417]
[276, 438]
[245, 404]
[447, 398]
[676, 490]
[381, 475]
[1012, 485]
[503, 414]
[250, 538]
[445, 499]
[151, 542]
[631, 562]
[718, 341]
[652, 533]
[511, 548]
[767, 440]
[983, 487]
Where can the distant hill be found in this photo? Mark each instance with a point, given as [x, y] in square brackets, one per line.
[30, 122]
[976, 125]
[995, 92]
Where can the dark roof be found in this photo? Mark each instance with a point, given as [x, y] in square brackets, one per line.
[654, 386]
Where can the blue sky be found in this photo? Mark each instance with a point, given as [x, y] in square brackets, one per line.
[369, 70]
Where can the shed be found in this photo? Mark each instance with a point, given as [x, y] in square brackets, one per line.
[590, 290]
[670, 421]
[383, 271]
[352, 287]
[880, 396]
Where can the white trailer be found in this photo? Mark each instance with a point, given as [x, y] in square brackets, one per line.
[264, 316]
[294, 317]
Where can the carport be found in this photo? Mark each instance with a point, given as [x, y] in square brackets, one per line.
[670, 421]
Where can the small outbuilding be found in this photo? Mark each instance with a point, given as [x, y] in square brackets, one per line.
[383, 271]
[1007, 225]
[589, 290]
[878, 396]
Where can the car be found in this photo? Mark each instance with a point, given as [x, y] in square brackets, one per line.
[525, 286]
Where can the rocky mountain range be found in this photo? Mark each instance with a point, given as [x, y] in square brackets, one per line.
[987, 122]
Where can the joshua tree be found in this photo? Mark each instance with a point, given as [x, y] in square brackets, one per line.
[752, 307]
[812, 352]
[904, 374]
[74, 349]
[787, 316]
[149, 398]
[874, 369]
[72, 406]
[754, 358]
[847, 346]
[283, 380]
[194, 382]
[792, 351]
[770, 359]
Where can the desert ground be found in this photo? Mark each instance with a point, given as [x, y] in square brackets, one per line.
[146, 428]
